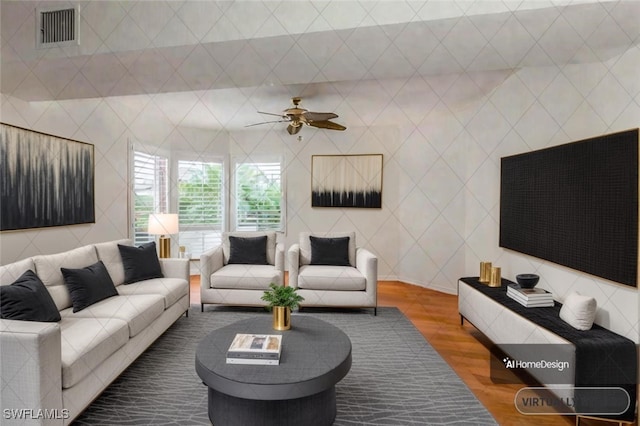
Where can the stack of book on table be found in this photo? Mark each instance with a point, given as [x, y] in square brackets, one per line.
[530, 297]
[261, 349]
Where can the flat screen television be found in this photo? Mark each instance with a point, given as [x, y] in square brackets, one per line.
[575, 205]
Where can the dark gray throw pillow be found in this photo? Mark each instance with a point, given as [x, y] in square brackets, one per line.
[27, 299]
[329, 251]
[88, 285]
[140, 263]
[248, 250]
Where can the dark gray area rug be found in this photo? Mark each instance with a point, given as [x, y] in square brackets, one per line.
[397, 378]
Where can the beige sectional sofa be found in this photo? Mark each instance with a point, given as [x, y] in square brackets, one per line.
[53, 370]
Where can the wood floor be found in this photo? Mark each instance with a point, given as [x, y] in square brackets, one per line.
[464, 348]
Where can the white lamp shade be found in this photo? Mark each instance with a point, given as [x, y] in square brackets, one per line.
[163, 224]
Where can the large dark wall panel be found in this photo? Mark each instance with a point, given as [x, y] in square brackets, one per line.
[575, 205]
[44, 180]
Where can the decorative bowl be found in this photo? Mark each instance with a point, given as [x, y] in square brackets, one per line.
[527, 280]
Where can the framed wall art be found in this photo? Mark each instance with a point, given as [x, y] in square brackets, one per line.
[45, 180]
[346, 181]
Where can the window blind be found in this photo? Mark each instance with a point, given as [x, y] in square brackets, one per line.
[151, 194]
[200, 205]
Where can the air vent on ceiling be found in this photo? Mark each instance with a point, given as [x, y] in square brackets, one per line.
[57, 27]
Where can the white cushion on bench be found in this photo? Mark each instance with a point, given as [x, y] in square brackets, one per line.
[246, 277]
[579, 311]
[326, 277]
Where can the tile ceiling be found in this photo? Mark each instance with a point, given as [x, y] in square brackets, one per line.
[222, 61]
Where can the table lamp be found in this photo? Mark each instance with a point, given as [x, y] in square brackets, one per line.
[163, 225]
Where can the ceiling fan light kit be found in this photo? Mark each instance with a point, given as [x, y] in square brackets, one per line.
[298, 116]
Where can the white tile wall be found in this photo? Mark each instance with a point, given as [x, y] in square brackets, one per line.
[441, 135]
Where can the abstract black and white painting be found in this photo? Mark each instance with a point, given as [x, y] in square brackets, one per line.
[346, 181]
[44, 180]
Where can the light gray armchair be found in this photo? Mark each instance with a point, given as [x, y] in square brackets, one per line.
[349, 283]
[239, 284]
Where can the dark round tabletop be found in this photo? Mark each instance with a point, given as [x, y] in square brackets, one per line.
[315, 356]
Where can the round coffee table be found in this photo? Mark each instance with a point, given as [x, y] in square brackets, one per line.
[299, 391]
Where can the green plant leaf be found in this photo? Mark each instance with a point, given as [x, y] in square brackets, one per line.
[282, 296]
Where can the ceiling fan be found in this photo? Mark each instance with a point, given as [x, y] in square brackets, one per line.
[297, 116]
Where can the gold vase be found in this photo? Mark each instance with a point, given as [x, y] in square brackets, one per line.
[281, 318]
[485, 272]
[496, 278]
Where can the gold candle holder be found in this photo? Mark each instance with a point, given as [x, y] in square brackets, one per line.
[496, 279]
[485, 272]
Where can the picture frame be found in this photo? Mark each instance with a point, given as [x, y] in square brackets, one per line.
[353, 180]
[45, 180]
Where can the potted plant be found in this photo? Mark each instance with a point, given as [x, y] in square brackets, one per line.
[281, 299]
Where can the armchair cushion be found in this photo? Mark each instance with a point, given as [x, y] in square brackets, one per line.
[271, 244]
[248, 250]
[305, 245]
[246, 277]
[324, 277]
[329, 251]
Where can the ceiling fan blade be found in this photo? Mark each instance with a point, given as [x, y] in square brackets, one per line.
[327, 125]
[293, 129]
[311, 116]
[271, 113]
[266, 122]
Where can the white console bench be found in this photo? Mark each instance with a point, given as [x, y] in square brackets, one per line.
[508, 324]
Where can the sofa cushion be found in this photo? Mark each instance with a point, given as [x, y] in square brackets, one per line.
[305, 245]
[110, 255]
[138, 310]
[324, 277]
[140, 263]
[48, 269]
[86, 343]
[271, 244]
[171, 289]
[329, 251]
[27, 299]
[248, 250]
[12, 271]
[247, 277]
[88, 285]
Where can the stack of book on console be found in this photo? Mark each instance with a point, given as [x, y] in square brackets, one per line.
[530, 297]
[255, 349]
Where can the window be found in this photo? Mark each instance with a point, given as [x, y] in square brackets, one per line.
[258, 196]
[196, 189]
[150, 192]
[200, 205]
